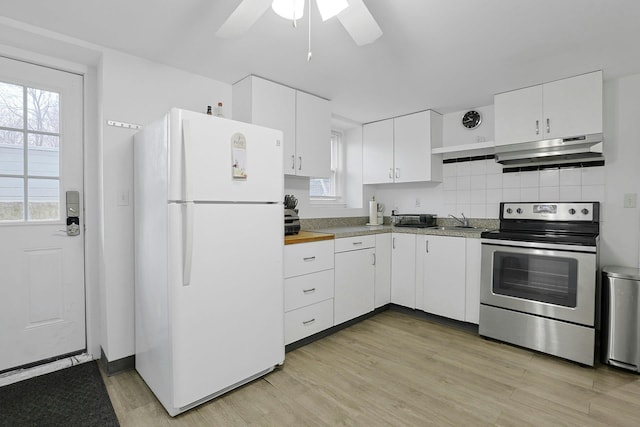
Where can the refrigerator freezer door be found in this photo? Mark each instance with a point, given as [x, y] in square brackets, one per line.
[215, 159]
[228, 322]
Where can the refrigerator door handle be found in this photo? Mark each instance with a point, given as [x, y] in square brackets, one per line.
[187, 233]
[186, 182]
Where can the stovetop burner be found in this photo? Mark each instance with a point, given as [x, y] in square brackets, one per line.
[568, 223]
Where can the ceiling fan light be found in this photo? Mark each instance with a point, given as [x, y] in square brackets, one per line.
[330, 8]
[289, 9]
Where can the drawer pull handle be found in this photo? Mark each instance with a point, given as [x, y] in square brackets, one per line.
[309, 259]
[357, 243]
[308, 291]
[308, 322]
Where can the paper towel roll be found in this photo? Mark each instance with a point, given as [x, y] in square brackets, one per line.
[373, 212]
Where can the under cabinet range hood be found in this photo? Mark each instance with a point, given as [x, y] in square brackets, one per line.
[551, 151]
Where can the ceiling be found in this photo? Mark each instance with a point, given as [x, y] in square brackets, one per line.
[445, 55]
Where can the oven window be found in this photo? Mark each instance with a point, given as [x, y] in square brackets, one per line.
[553, 280]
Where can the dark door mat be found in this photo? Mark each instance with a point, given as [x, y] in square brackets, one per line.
[74, 396]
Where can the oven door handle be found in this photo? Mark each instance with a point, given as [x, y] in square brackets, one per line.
[539, 245]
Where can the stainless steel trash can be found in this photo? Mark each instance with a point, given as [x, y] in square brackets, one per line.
[621, 317]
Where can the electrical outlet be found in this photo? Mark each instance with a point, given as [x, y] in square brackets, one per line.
[418, 202]
[630, 200]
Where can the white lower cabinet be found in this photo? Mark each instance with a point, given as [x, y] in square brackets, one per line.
[472, 287]
[403, 269]
[441, 275]
[306, 321]
[382, 294]
[354, 277]
[308, 289]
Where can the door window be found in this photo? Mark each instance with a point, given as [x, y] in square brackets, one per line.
[553, 280]
[29, 154]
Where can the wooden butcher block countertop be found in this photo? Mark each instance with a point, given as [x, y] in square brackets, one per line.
[306, 237]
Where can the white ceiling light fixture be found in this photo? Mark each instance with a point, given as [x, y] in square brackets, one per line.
[352, 14]
[289, 9]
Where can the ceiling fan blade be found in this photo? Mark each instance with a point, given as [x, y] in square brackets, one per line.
[245, 15]
[359, 23]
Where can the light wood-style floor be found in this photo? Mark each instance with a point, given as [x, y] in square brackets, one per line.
[396, 369]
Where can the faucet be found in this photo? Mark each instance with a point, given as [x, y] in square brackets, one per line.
[464, 222]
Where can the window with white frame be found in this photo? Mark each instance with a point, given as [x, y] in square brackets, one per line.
[329, 188]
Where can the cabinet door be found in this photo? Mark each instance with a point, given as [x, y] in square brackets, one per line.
[412, 147]
[403, 269]
[383, 270]
[377, 152]
[313, 136]
[354, 284]
[443, 275]
[274, 106]
[573, 106]
[518, 116]
[472, 286]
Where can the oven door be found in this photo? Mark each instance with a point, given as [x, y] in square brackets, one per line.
[553, 281]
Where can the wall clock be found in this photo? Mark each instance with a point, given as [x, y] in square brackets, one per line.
[471, 119]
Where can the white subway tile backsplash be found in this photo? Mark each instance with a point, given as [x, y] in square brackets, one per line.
[549, 178]
[570, 193]
[450, 197]
[478, 196]
[463, 196]
[478, 210]
[449, 209]
[549, 194]
[593, 193]
[593, 176]
[511, 180]
[530, 194]
[510, 194]
[493, 210]
[529, 179]
[494, 180]
[493, 166]
[463, 168]
[571, 176]
[478, 167]
[463, 182]
[449, 169]
[449, 183]
[478, 182]
[494, 195]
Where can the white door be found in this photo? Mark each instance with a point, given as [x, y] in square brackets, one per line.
[42, 310]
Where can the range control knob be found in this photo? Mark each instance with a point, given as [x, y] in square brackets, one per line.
[509, 210]
[519, 210]
[584, 211]
[572, 211]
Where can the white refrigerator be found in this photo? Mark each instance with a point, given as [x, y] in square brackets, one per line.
[208, 256]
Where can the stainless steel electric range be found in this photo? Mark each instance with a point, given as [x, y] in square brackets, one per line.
[539, 284]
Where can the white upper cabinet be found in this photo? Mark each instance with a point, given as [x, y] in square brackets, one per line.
[304, 119]
[399, 149]
[313, 136]
[561, 109]
[377, 152]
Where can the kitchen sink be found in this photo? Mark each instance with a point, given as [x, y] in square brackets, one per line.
[458, 228]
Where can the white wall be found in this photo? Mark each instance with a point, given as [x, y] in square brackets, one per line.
[620, 233]
[134, 91]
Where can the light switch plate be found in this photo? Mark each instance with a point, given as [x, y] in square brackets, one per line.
[630, 200]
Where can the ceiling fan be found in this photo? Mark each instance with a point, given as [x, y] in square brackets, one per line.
[352, 14]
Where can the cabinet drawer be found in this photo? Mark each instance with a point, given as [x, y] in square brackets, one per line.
[305, 258]
[301, 291]
[308, 320]
[353, 243]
